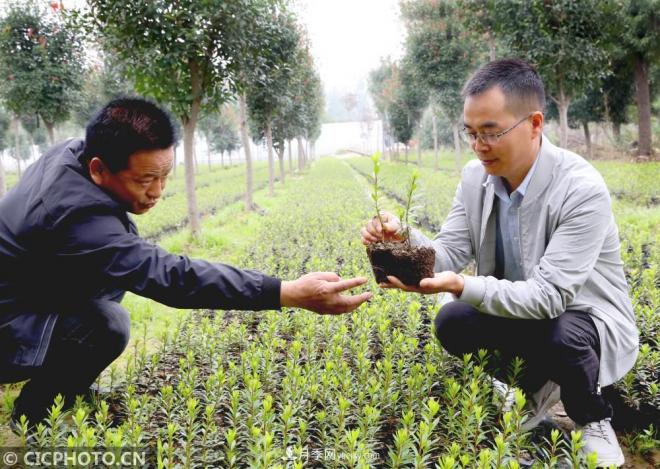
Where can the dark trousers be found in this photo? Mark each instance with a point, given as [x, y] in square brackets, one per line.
[565, 349]
[83, 344]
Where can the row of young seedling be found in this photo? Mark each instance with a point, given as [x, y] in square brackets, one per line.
[220, 190]
[294, 389]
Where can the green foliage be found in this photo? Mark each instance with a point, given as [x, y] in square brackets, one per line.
[439, 51]
[409, 101]
[271, 92]
[639, 25]
[382, 85]
[42, 59]
[102, 84]
[568, 46]
[221, 130]
[185, 51]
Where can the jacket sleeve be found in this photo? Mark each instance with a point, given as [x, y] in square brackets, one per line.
[101, 246]
[567, 263]
[453, 245]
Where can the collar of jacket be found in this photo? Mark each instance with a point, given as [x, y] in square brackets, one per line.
[541, 179]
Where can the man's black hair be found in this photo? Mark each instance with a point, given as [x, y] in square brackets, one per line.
[518, 80]
[127, 125]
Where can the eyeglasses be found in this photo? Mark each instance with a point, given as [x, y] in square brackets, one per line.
[490, 139]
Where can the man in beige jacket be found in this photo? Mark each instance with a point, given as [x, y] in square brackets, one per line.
[549, 285]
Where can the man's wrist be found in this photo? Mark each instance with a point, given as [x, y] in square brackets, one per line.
[286, 298]
[459, 284]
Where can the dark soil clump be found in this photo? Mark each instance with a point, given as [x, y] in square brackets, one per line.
[408, 264]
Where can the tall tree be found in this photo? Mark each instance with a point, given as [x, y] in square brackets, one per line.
[406, 110]
[43, 63]
[567, 45]
[188, 54]
[589, 107]
[618, 92]
[271, 93]
[221, 131]
[306, 106]
[442, 54]
[641, 44]
[382, 87]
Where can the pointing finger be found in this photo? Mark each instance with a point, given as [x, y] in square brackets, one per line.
[342, 285]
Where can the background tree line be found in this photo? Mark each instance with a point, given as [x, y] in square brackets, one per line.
[598, 59]
[232, 69]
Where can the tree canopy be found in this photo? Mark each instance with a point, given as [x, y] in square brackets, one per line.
[42, 59]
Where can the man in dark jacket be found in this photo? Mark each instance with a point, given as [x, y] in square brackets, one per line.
[69, 252]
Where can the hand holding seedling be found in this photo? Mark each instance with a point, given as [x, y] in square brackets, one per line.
[320, 292]
[389, 230]
[442, 282]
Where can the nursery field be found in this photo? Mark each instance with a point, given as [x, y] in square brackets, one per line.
[371, 388]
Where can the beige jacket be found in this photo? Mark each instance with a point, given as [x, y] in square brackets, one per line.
[570, 252]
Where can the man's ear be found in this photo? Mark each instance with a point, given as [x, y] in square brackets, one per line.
[97, 170]
[537, 123]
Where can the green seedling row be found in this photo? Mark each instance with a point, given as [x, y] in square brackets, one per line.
[294, 389]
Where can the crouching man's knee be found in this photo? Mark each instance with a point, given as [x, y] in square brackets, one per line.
[114, 327]
[450, 326]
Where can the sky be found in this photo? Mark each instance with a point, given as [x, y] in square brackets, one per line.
[350, 36]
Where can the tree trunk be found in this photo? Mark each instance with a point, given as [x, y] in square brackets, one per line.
[301, 154]
[457, 147]
[405, 147]
[280, 156]
[642, 96]
[189, 165]
[290, 159]
[419, 151]
[249, 205]
[587, 139]
[436, 160]
[50, 128]
[189, 125]
[271, 161]
[208, 154]
[563, 102]
[229, 155]
[196, 160]
[3, 182]
[616, 129]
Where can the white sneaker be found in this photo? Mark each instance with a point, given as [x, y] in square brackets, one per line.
[599, 437]
[539, 403]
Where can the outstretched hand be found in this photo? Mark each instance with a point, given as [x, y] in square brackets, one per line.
[320, 292]
[447, 281]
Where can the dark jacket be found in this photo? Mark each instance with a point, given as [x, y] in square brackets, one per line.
[64, 241]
